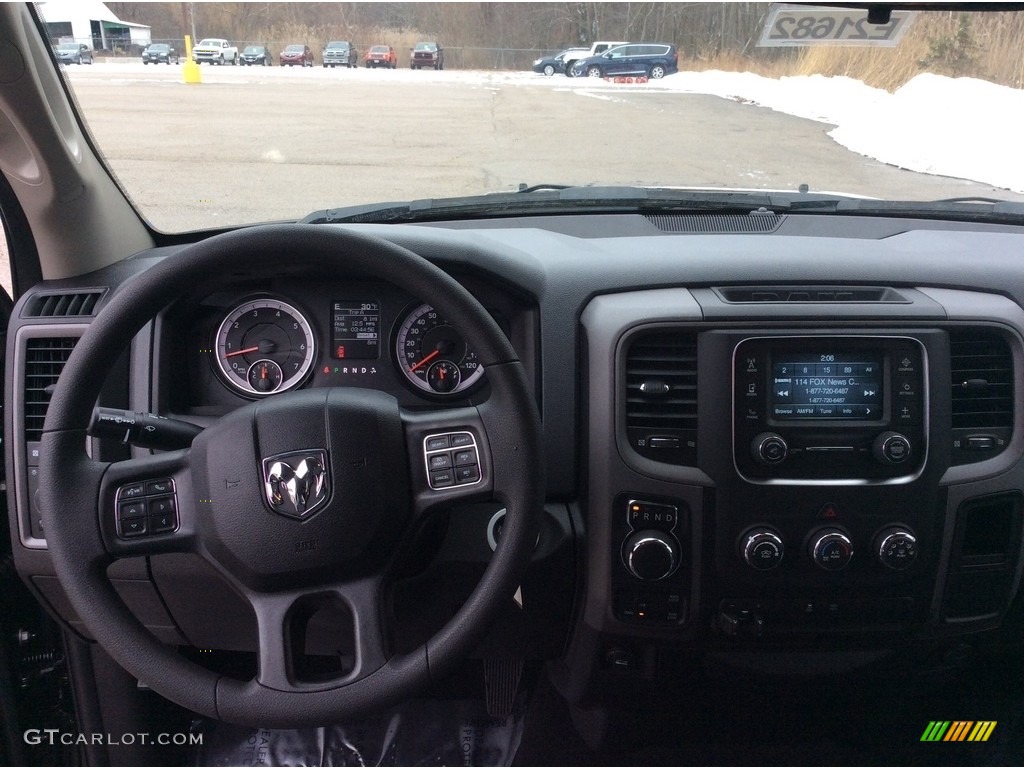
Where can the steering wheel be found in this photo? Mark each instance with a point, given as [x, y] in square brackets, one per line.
[297, 499]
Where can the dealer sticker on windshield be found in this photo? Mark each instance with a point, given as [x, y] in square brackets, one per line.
[789, 25]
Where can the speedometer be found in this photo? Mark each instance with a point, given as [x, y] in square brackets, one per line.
[432, 355]
[264, 345]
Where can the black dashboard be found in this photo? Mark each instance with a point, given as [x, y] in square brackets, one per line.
[805, 443]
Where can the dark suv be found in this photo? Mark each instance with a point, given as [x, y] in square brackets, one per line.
[427, 55]
[256, 55]
[654, 60]
[340, 53]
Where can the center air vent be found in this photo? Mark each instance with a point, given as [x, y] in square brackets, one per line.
[661, 396]
[44, 360]
[981, 367]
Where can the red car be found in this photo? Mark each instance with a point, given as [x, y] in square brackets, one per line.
[297, 54]
[382, 56]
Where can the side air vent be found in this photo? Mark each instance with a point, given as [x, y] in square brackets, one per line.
[661, 396]
[63, 304]
[981, 369]
[697, 224]
[44, 360]
[826, 294]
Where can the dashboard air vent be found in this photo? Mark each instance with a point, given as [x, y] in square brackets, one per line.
[981, 368]
[44, 360]
[827, 294]
[697, 224]
[64, 304]
[661, 396]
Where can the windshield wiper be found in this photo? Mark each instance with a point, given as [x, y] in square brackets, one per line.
[552, 199]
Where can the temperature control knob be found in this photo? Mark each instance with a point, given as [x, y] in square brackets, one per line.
[769, 448]
[831, 549]
[762, 548]
[896, 547]
[650, 555]
[891, 448]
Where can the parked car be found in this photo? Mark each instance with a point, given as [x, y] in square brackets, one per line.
[159, 53]
[653, 60]
[256, 55]
[595, 49]
[74, 53]
[335, 450]
[552, 65]
[215, 50]
[381, 56]
[296, 55]
[340, 53]
[426, 54]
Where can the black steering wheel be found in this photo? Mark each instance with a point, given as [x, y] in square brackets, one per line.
[299, 498]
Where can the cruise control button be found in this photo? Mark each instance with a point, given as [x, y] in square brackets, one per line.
[467, 474]
[440, 461]
[442, 479]
[465, 457]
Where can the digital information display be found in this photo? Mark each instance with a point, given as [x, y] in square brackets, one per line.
[826, 386]
[355, 330]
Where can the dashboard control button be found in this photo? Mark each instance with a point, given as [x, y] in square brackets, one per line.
[442, 479]
[650, 555]
[467, 474]
[769, 448]
[831, 549]
[891, 448]
[440, 461]
[896, 547]
[762, 549]
[465, 457]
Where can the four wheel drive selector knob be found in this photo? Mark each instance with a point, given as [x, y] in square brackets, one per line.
[650, 555]
[762, 548]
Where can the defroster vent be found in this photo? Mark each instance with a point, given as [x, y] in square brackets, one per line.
[44, 360]
[981, 366]
[661, 396]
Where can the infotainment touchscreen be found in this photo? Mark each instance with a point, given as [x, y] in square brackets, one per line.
[826, 385]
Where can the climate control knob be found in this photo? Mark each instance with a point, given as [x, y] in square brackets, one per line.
[831, 549]
[896, 547]
[762, 548]
[650, 555]
[891, 448]
[769, 448]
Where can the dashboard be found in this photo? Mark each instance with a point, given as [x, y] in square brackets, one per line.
[796, 447]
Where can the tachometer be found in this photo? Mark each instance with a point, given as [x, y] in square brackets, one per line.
[264, 345]
[432, 354]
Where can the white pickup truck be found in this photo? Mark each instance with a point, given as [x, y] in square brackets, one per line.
[215, 50]
[595, 49]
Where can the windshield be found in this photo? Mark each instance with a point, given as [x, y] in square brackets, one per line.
[68, 47]
[294, 48]
[925, 106]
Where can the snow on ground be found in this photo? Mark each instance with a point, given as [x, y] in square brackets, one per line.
[960, 127]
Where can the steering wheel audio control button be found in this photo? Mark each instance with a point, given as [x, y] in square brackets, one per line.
[146, 508]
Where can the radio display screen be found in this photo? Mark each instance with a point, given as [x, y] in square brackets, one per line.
[826, 385]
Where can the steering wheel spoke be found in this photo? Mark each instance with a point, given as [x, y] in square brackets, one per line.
[283, 621]
[449, 457]
[147, 506]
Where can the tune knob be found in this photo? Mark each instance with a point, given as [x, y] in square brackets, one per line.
[831, 549]
[891, 448]
[762, 548]
[650, 555]
[896, 547]
[769, 448]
